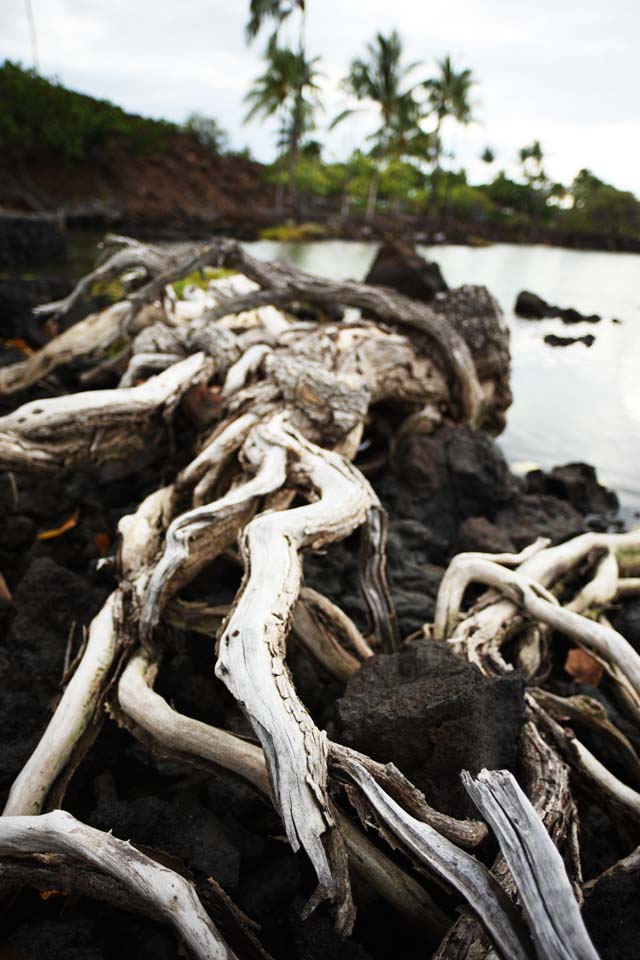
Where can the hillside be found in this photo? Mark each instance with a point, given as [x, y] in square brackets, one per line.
[64, 150]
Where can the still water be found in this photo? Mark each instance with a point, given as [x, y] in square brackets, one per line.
[570, 403]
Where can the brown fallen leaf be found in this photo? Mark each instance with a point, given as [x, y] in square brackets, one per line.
[5, 593]
[102, 542]
[68, 524]
[19, 344]
[46, 894]
[202, 404]
[583, 667]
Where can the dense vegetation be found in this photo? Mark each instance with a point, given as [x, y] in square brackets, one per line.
[405, 166]
[402, 166]
[37, 113]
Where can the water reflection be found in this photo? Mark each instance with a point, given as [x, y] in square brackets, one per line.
[570, 403]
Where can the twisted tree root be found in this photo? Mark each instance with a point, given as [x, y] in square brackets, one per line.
[181, 736]
[167, 892]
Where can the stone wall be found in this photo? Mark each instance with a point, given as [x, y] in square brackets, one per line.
[29, 239]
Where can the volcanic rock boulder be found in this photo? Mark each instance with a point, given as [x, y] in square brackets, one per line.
[554, 341]
[611, 911]
[51, 606]
[398, 265]
[532, 307]
[433, 714]
[576, 483]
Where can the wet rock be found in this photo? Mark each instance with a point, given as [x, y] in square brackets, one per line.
[182, 827]
[539, 515]
[433, 714]
[479, 534]
[532, 307]
[478, 318]
[28, 238]
[398, 265]
[270, 887]
[49, 600]
[69, 928]
[18, 532]
[626, 619]
[578, 484]
[49, 603]
[611, 911]
[68, 936]
[555, 341]
[437, 481]
[316, 939]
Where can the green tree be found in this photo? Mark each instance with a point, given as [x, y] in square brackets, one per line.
[288, 90]
[488, 156]
[276, 12]
[532, 164]
[599, 208]
[380, 79]
[448, 96]
[207, 132]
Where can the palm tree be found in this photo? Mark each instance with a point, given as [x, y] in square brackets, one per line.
[277, 11]
[261, 11]
[380, 79]
[448, 97]
[288, 90]
[532, 163]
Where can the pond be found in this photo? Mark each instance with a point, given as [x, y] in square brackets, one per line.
[570, 403]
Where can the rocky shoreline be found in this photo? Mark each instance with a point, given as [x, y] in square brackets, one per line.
[426, 448]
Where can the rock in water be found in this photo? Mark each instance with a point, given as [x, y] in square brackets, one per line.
[398, 265]
[578, 484]
[433, 714]
[555, 341]
[532, 307]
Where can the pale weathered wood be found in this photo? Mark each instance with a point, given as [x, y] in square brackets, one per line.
[609, 646]
[99, 424]
[140, 535]
[251, 650]
[166, 891]
[537, 868]
[454, 866]
[181, 736]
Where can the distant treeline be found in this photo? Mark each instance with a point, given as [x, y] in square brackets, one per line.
[38, 114]
[588, 206]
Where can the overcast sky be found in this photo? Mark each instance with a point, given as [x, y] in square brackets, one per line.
[563, 71]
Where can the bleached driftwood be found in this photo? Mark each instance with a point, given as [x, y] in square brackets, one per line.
[454, 866]
[99, 424]
[286, 403]
[180, 736]
[605, 643]
[546, 777]
[251, 650]
[545, 892]
[79, 705]
[169, 893]
[197, 536]
[72, 717]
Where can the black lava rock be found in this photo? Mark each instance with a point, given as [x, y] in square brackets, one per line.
[398, 265]
[433, 714]
[533, 307]
[611, 912]
[554, 341]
